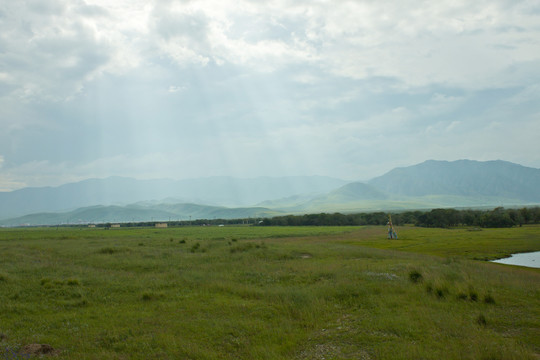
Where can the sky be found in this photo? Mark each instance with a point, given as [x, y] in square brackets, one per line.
[249, 88]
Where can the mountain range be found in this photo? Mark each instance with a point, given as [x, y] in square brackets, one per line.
[215, 191]
[431, 184]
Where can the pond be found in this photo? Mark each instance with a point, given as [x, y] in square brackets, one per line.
[531, 259]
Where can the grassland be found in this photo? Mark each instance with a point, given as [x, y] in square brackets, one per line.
[269, 293]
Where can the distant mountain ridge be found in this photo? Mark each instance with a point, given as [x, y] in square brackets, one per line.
[463, 178]
[222, 191]
[431, 184]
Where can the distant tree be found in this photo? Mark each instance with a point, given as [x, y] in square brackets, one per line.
[497, 218]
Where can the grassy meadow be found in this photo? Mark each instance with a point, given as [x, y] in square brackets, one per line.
[269, 293]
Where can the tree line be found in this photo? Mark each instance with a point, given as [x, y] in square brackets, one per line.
[443, 218]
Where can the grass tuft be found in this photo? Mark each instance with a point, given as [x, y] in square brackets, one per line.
[195, 247]
[441, 292]
[107, 250]
[241, 248]
[11, 354]
[481, 320]
[473, 296]
[149, 295]
[488, 299]
[73, 282]
[415, 276]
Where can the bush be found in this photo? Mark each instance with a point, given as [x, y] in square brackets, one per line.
[415, 276]
[440, 292]
[488, 299]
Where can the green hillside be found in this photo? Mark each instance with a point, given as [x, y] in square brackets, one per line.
[138, 213]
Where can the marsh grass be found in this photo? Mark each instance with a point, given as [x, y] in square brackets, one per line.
[282, 293]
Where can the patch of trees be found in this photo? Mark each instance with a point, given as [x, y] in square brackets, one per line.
[443, 218]
[197, 222]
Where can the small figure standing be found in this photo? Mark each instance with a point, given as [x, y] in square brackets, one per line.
[391, 232]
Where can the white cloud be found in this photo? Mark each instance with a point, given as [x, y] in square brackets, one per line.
[54, 47]
[308, 86]
[175, 88]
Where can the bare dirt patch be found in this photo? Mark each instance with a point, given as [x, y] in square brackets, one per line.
[39, 349]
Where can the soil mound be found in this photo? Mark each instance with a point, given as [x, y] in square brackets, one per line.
[38, 349]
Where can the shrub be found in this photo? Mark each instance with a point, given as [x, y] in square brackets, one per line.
[488, 299]
[440, 292]
[415, 276]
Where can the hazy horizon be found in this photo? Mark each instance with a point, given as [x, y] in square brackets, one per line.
[183, 90]
[262, 176]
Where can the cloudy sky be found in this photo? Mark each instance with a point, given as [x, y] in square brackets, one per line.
[247, 88]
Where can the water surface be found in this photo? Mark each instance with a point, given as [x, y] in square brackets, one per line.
[531, 259]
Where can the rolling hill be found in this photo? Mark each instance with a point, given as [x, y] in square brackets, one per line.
[139, 213]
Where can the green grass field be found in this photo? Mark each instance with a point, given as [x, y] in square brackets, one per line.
[269, 293]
